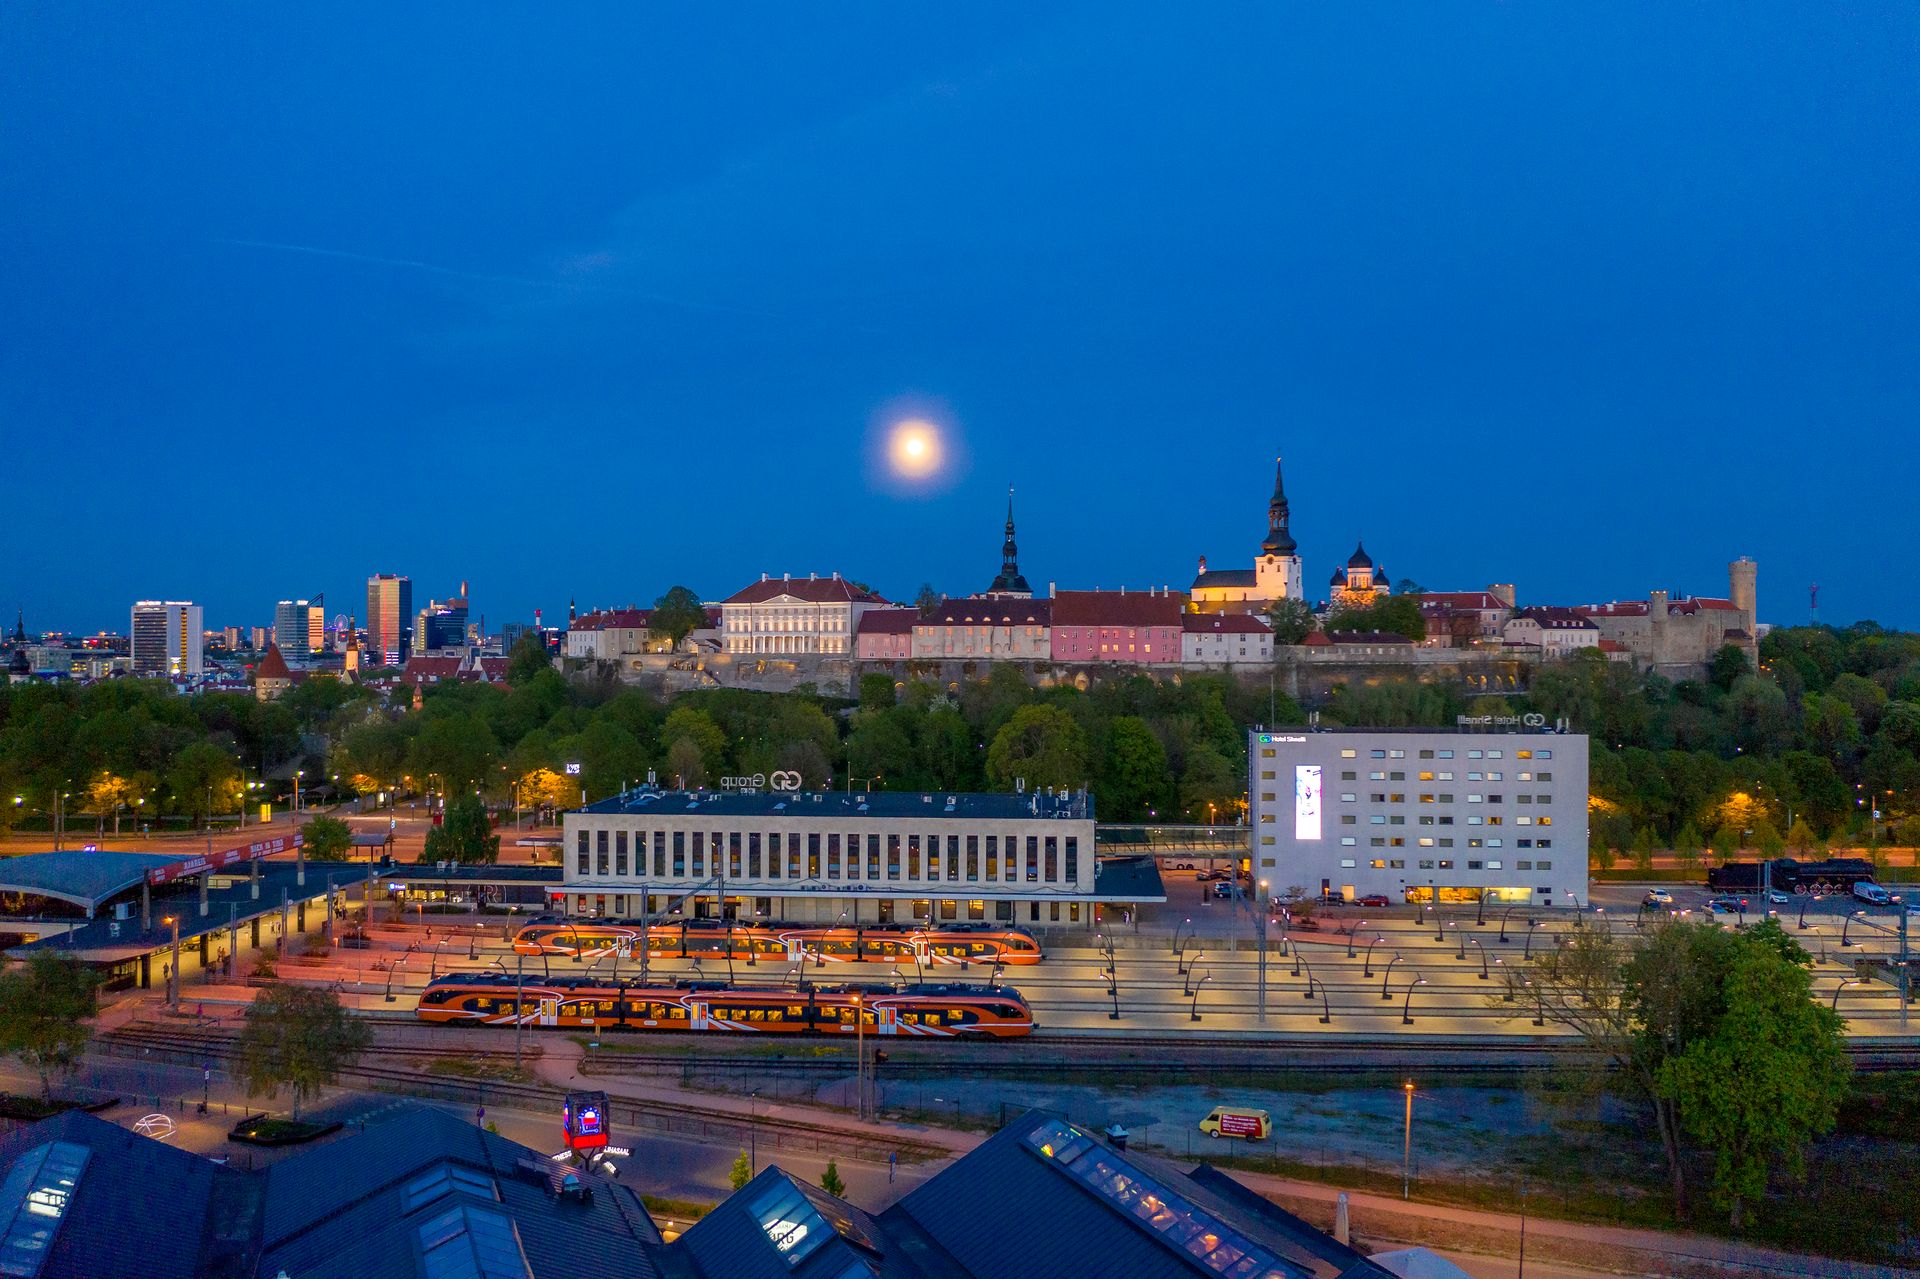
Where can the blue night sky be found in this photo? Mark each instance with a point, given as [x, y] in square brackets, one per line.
[1587, 298]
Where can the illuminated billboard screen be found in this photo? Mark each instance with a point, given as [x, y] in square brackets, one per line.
[1306, 801]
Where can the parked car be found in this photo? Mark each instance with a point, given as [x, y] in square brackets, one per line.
[1225, 888]
[1207, 875]
[1872, 893]
[1375, 900]
[1725, 905]
[1779, 897]
[1657, 897]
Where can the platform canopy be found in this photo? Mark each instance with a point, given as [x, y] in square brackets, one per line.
[85, 878]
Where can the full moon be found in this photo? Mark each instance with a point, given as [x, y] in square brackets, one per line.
[914, 449]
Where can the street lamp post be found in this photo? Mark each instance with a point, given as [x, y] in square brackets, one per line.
[1260, 916]
[1193, 1009]
[1503, 922]
[1406, 1009]
[1526, 952]
[1388, 976]
[1366, 965]
[1484, 976]
[1809, 897]
[1406, 1146]
[1837, 989]
[173, 975]
[1844, 928]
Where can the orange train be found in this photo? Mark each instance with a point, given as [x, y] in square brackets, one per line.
[711, 939]
[941, 1011]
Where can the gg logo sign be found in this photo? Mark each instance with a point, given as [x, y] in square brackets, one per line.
[783, 779]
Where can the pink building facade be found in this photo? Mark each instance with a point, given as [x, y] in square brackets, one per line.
[1122, 627]
[885, 635]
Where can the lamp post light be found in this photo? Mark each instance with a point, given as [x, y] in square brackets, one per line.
[1539, 1005]
[1461, 938]
[1503, 921]
[1193, 1009]
[1406, 1009]
[1842, 986]
[1193, 972]
[1310, 980]
[1180, 951]
[1809, 897]
[1484, 975]
[394, 968]
[1366, 965]
[1480, 913]
[1526, 952]
[1388, 976]
[173, 975]
[1844, 928]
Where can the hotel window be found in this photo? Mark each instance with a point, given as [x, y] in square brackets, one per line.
[1395, 863]
[700, 856]
[1377, 842]
[1426, 841]
[1347, 841]
[1523, 754]
[660, 851]
[1476, 821]
[600, 852]
[1543, 865]
[1426, 774]
[1376, 776]
[1493, 865]
[1348, 797]
[620, 852]
[753, 854]
[1378, 754]
[1493, 843]
[1396, 820]
[1543, 777]
[1348, 775]
[1494, 777]
[583, 853]
[1426, 821]
[1543, 799]
[1446, 777]
[1426, 797]
[1472, 865]
[1346, 753]
[1398, 841]
[1473, 754]
[1266, 796]
[1496, 820]
[1377, 797]
[1396, 777]
[1523, 865]
[1495, 799]
[1523, 799]
[1377, 863]
[1378, 819]
[1396, 754]
[1396, 798]
[1426, 863]
[1346, 863]
[1544, 821]
[1523, 777]
[1446, 754]
[1476, 777]
[1523, 821]
[1493, 754]
[1426, 754]
[1473, 843]
[1445, 864]
[1473, 799]
[1446, 842]
[1266, 752]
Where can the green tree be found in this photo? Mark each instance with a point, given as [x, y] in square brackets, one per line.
[1767, 839]
[45, 1011]
[877, 691]
[1395, 615]
[676, 615]
[326, 838]
[202, 780]
[297, 1038]
[1800, 837]
[464, 834]
[372, 756]
[830, 1180]
[928, 600]
[456, 749]
[528, 658]
[686, 766]
[880, 745]
[1210, 786]
[1042, 744]
[685, 723]
[1292, 620]
[1133, 774]
[1726, 845]
[1728, 664]
[1645, 844]
[1767, 1079]
[741, 1172]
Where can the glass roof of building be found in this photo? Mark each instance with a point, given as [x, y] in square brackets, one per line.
[1207, 1242]
[469, 1242]
[33, 1203]
[797, 1220]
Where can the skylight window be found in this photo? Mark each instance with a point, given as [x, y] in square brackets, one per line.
[33, 1202]
[792, 1225]
[1179, 1222]
[469, 1242]
[444, 1179]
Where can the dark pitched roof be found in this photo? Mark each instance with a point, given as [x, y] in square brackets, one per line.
[1224, 624]
[139, 1209]
[991, 612]
[272, 666]
[1117, 608]
[613, 619]
[1081, 1200]
[777, 1226]
[1226, 577]
[887, 621]
[812, 590]
[355, 1206]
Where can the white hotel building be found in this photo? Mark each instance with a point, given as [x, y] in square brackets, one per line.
[853, 857]
[1414, 814]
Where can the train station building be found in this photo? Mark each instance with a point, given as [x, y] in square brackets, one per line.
[137, 918]
[1491, 810]
[853, 857]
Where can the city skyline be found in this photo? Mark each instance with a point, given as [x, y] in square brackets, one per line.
[1626, 302]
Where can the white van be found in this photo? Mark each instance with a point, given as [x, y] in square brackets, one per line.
[1868, 891]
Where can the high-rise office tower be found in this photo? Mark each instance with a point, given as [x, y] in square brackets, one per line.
[290, 627]
[317, 624]
[442, 624]
[167, 638]
[389, 615]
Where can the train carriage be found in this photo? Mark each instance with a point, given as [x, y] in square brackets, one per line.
[711, 939]
[924, 1009]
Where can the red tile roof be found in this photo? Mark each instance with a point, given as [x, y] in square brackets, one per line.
[1117, 608]
[887, 621]
[812, 590]
[1470, 600]
[1317, 639]
[617, 619]
[272, 666]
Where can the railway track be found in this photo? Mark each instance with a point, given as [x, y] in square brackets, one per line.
[663, 1118]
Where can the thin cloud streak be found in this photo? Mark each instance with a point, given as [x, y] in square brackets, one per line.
[431, 268]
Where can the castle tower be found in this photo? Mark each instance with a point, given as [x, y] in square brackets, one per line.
[1010, 583]
[1742, 581]
[1277, 573]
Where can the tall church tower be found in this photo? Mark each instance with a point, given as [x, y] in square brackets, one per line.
[1010, 583]
[1277, 573]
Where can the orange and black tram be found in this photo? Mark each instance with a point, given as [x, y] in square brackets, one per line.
[928, 1009]
[716, 939]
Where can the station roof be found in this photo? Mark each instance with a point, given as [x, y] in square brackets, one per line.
[106, 940]
[85, 878]
[1130, 879]
[839, 805]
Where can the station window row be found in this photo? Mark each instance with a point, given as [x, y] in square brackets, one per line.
[829, 856]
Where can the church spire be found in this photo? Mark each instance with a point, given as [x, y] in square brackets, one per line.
[1279, 540]
[1010, 582]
